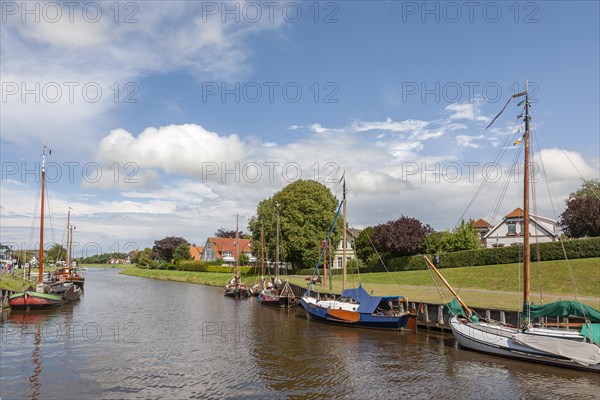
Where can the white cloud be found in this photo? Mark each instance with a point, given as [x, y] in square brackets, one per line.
[466, 111]
[469, 141]
[410, 126]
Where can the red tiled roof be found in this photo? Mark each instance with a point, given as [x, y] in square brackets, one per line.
[481, 223]
[516, 213]
[220, 245]
[196, 252]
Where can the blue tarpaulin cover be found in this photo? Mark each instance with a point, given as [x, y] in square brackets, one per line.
[368, 303]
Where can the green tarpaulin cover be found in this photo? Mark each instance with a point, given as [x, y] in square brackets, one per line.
[454, 308]
[565, 308]
[592, 332]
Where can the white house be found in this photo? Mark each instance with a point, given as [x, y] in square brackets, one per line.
[351, 235]
[510, 230]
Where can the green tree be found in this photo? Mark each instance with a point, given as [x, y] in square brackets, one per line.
[438, 242]
[244, 259]
[182, 253]
[306, 210]
[581, 218]
[145, 260]
[362, 245]
[463, 237]
[56, 253]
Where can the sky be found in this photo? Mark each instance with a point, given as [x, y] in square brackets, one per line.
[171, 118]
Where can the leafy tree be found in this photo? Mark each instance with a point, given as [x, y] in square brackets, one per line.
[402, 237]
[362, 245]
[581, 218]
[100, 258]
[306, 210]
[438, 242]
[56, 253]
[145, 260]
[163, 249]
[463, 237]
[243, 259]
[182, 253]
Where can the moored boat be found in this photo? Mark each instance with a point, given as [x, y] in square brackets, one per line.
[45, 295]
[534, 339]
[355, 307]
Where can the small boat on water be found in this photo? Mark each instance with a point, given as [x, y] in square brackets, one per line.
[235, 287]
[355, 307]
[45, 295]
[534, 339]
[69, 273]
[277, 293]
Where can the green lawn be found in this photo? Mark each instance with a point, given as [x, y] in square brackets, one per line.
[204, 278]
[14, 282]
[492, 285]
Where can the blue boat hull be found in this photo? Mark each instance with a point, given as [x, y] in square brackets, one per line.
[394, 323]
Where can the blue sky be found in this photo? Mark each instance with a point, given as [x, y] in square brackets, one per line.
[388, 90]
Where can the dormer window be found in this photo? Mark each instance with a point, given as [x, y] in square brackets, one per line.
[512, 229]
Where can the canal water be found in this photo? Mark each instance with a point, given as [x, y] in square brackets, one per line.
[131, 338]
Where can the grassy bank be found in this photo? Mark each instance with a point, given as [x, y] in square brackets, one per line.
[204, 278]
[497, 286]
[492, 285]
[14, 282]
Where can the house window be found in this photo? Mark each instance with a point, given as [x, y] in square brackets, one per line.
[512, 229]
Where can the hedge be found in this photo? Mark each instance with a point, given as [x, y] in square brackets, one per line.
[576, 248]
[209, 266]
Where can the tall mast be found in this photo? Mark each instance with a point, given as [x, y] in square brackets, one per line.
[69, 232]
[344, 239]
[277, 241]
[262, 252]
[526, 251]
[41, 255]
[71, 249]
[236, 247]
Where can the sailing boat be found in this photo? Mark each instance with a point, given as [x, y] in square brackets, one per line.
[235, 287]
[44, 296]
[355, 307]
[70, 273]
[530, 342]
[277, 293]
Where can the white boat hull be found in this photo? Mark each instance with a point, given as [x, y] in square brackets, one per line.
[498, 340]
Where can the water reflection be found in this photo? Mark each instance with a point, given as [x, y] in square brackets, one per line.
[138, 338]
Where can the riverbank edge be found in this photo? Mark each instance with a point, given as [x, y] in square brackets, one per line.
[427, 294]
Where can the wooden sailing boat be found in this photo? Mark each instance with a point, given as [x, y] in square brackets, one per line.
[355, 307]
[70, 273]
[44, 296]
[531, 342]
[235, 287]
[277, 293]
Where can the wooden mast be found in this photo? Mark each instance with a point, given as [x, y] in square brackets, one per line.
[526, 250]
[235, 249]
[344, 238]
[262, 255]
[69, 233]
[277, 241]
[40, 287]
